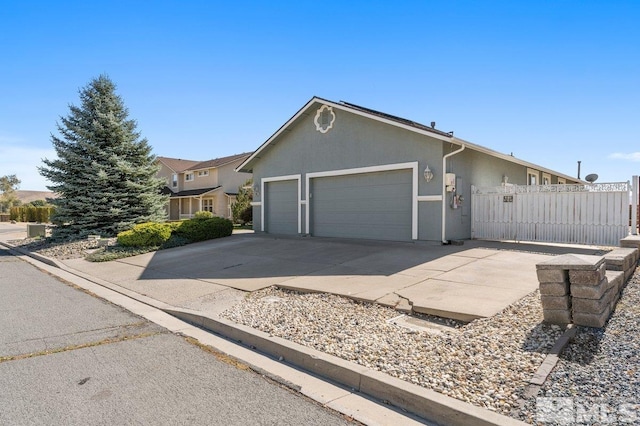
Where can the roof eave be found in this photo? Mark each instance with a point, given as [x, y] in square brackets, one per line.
[512, 159]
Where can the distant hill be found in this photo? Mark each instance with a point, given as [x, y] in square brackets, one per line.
[29, 196]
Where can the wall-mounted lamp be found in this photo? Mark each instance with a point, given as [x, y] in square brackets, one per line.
[428, 174]
[505, 179]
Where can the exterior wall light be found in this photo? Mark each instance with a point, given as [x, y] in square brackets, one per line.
[428, 174]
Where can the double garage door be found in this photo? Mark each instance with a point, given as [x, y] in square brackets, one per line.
[368, 205]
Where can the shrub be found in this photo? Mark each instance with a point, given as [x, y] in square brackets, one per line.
[205, 229]
[247, 215]
[150, 234]
[202, 214]
[30, 213]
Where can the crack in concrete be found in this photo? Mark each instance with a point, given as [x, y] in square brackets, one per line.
[80, 346]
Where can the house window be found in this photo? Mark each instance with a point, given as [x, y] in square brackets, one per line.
[207, 205]
[188, 177]
[202, 173]
[532, 177]
[174, 180]
[562, 181]
[546, 179]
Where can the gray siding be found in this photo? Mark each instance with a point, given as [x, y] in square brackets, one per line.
[371, 205]
[356, 141]
[281, 214]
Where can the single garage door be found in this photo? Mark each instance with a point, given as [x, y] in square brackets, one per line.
[368, 205]
[281, 212]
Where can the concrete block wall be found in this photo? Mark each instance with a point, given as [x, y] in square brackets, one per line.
[584, 289]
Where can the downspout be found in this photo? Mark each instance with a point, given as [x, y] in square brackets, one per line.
[444, 190]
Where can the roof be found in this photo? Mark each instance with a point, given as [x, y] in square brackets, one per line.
[218, 162]
[188, 192]
[247, 165]
[179, 165]
[176, 164]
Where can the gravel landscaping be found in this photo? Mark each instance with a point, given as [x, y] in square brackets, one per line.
[487, 362]
[60, 250]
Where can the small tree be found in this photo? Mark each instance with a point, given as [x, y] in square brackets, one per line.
[8, 198]
[241, 208]
[105, 174]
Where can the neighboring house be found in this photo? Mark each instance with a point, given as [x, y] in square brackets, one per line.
[336, 169]
[201, 185]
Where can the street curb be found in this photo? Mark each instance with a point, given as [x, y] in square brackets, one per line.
[415, 399]
[426, 403]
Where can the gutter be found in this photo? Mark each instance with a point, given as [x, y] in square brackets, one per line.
[444, 190]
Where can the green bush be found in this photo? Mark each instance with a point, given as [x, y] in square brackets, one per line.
[202, 214]
[247, 215]
[150, 234]
[30, 213]
[205, 229]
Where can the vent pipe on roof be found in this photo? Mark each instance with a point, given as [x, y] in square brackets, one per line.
[433, 124]
[579, 169]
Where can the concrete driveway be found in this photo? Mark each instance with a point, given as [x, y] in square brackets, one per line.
[477, 279]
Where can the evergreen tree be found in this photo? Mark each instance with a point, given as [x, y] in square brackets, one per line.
[241, 208]
[105, 174]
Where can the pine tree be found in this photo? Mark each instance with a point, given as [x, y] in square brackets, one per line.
[105, 174]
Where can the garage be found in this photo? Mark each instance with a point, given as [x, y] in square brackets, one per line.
[374, 205]
[281, 211]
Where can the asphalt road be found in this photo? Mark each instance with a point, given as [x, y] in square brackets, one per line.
[69, 358]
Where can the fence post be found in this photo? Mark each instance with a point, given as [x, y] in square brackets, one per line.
[634, 205]
[473, 212]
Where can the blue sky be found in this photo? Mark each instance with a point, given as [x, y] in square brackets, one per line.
[553, 82]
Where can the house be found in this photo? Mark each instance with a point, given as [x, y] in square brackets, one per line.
[336, 169]
[201, 185]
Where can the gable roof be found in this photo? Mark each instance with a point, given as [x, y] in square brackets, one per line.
[219, 162]
[178, 165]
[247, 165]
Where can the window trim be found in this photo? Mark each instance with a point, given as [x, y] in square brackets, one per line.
[189, 177]
[533, 173]
[203, 173]
[208, 208]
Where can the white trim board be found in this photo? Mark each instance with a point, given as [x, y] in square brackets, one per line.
[413, 166]
[264, 201]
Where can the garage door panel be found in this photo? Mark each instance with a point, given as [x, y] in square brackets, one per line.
[369, 205]
[282, 207]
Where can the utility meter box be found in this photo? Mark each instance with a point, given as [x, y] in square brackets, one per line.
[450, 182]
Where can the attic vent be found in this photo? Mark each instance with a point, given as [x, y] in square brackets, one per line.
[324, 119]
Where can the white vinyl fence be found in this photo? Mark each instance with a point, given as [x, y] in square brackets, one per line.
[594, 214]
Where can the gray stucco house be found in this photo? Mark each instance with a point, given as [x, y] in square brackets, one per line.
[336, 169]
